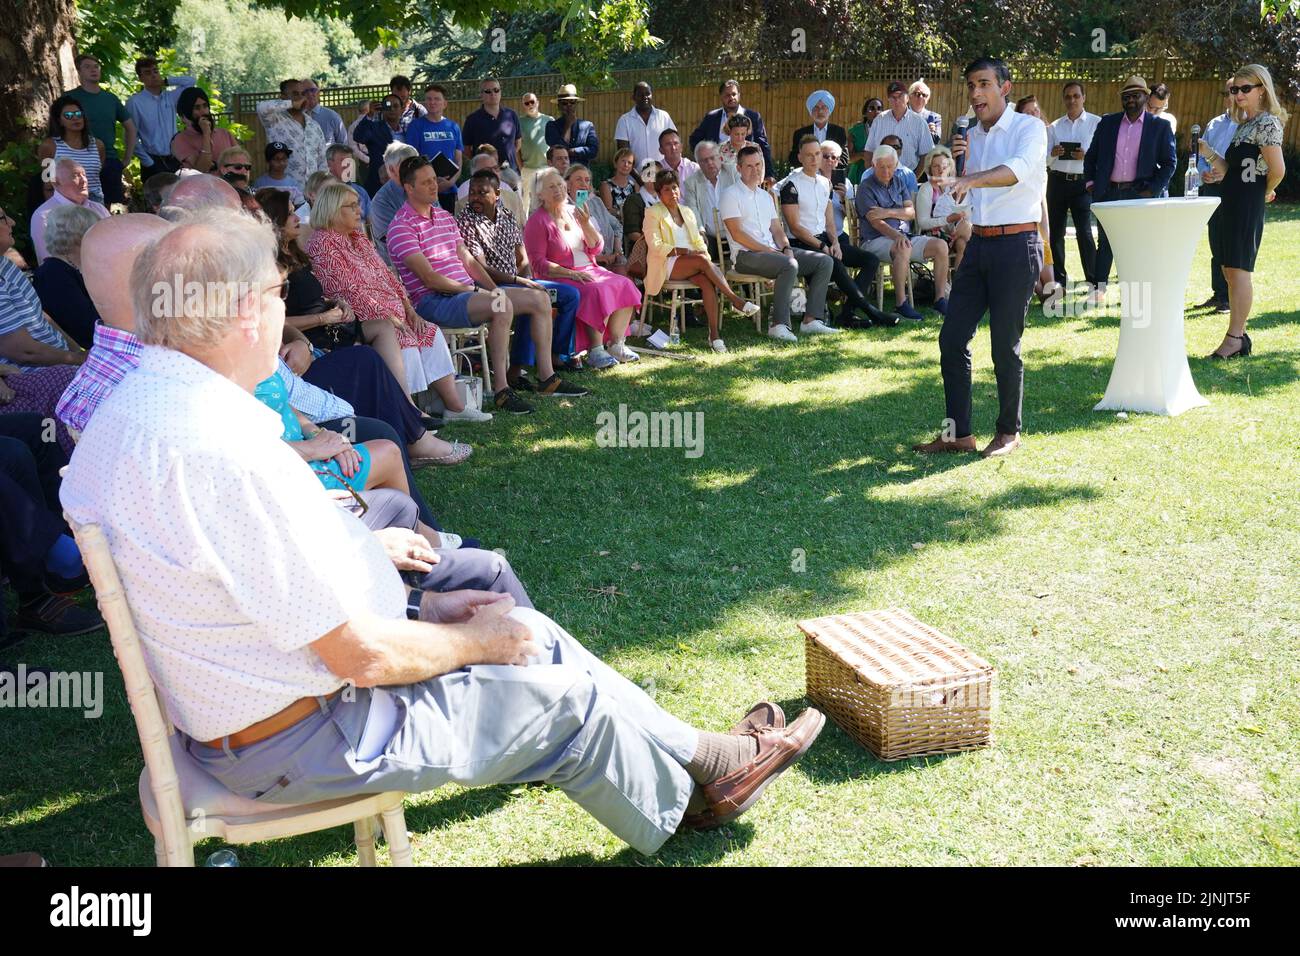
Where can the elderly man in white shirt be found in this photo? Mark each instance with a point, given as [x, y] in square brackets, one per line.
[1006, 163]
[1066, 190]
[71, 188]
[759, 247]
[904, 122]
[282, 639]
[702, 191]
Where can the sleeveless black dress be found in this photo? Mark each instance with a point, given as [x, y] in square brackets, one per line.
[1243, 190]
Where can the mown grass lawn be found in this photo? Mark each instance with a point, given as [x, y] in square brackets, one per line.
[1134, 580]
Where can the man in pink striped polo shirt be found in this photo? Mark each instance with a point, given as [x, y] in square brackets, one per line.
[449, 287]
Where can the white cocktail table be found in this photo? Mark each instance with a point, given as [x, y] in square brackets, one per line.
[1154, 241]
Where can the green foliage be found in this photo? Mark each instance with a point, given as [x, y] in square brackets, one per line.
[18, 164]
[116, 32]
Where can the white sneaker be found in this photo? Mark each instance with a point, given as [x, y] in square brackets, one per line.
[639, 330]
[447, 541]
[719, 345]
[781, 333]
[817, 327]
[623, 353]
[470, 414]
[749, 309]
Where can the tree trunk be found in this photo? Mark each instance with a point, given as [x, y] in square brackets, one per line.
[36, 49]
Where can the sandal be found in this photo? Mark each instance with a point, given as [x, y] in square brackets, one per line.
[1243, 349]
[459, 452]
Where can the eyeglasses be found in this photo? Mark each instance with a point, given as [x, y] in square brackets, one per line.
[244, 166]
[72, 114]
[1234, 90]
[282, 290]
[323, 472]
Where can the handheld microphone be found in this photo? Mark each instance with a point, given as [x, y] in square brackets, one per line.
[1196, 140]
[962, 123]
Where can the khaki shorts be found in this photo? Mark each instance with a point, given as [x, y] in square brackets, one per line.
[882, 247]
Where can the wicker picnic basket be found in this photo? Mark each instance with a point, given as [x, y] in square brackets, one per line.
[897, 686]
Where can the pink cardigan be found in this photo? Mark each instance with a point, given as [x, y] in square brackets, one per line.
[544, 244]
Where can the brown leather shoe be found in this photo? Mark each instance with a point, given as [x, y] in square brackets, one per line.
[778, 749]
[1001, 445]
[941, 444]
[762, 715]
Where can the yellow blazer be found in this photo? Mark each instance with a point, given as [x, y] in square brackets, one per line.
[658, 232]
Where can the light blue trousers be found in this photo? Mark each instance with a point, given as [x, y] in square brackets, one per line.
[566, 719]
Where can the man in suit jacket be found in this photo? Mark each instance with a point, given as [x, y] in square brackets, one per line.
[1132, 156]
[714, 125]
[820, 106]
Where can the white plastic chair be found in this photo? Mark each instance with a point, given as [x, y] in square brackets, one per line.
[182, 803]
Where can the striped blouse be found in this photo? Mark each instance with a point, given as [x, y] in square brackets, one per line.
[89, 158]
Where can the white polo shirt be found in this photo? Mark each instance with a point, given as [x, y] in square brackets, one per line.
[812, 194]
[1066, 130]
[755, 209]
[1019, 142]
[643, 135]
[233, 557]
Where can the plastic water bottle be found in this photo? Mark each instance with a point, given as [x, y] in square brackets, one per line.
[223, 858]
[675, 338]
[1192, 183]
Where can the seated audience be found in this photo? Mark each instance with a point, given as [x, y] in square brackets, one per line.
[37, 554]
[821, 104]
[937, 213]
[296, 600]
[156, 188]
[904, 173]
[448, 286]
[621, 184]
[202, 141]
[676, 251]
[577, 179]
[486, 160]
[738, 133]
[634, 217]
[805, 197]
[670, 145]
[701, 193]
[885, 213]
[557, 157]
[277, 175]
[58, 279]
[235, 166]
[328, 324]
[759, 247]
[843, 195]
[70, 189]
[562, 244]
[342, 166]
[495, 239]
[69, 137]
[39, 363]
[349, 270]
[390, 197]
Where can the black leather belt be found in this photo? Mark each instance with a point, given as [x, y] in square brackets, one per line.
[1071, 177]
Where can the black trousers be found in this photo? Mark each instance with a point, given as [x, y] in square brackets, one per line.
[1070, 196]
[996, 275]
[110, 178]
[30, 515]
[1105, 257]
[1217, 282]
[856, 288]
[359, 376]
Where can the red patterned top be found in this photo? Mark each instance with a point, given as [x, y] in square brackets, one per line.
[348, 268]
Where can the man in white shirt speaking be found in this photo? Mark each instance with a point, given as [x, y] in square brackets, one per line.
[1005, 157]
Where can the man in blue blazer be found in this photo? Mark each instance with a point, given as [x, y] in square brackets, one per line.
[1132, 156]
[714, 125]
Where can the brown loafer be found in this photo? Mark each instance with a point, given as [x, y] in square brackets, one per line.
[1001, 445]
[778, 749]
[762, 715]
[941, 445]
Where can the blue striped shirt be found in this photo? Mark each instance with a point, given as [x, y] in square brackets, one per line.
[20, 309]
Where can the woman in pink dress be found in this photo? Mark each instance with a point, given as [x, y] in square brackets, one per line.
[348, 268]
[562, 244]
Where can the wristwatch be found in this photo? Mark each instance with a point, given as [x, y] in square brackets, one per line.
[413, 599]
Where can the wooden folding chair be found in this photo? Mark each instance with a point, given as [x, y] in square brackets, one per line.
[468, 341]
[677, 292]
[182, 803]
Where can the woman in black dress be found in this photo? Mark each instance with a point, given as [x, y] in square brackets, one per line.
[1251, 171]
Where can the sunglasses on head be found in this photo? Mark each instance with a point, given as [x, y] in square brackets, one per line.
[1234, 90]
[72, 114]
